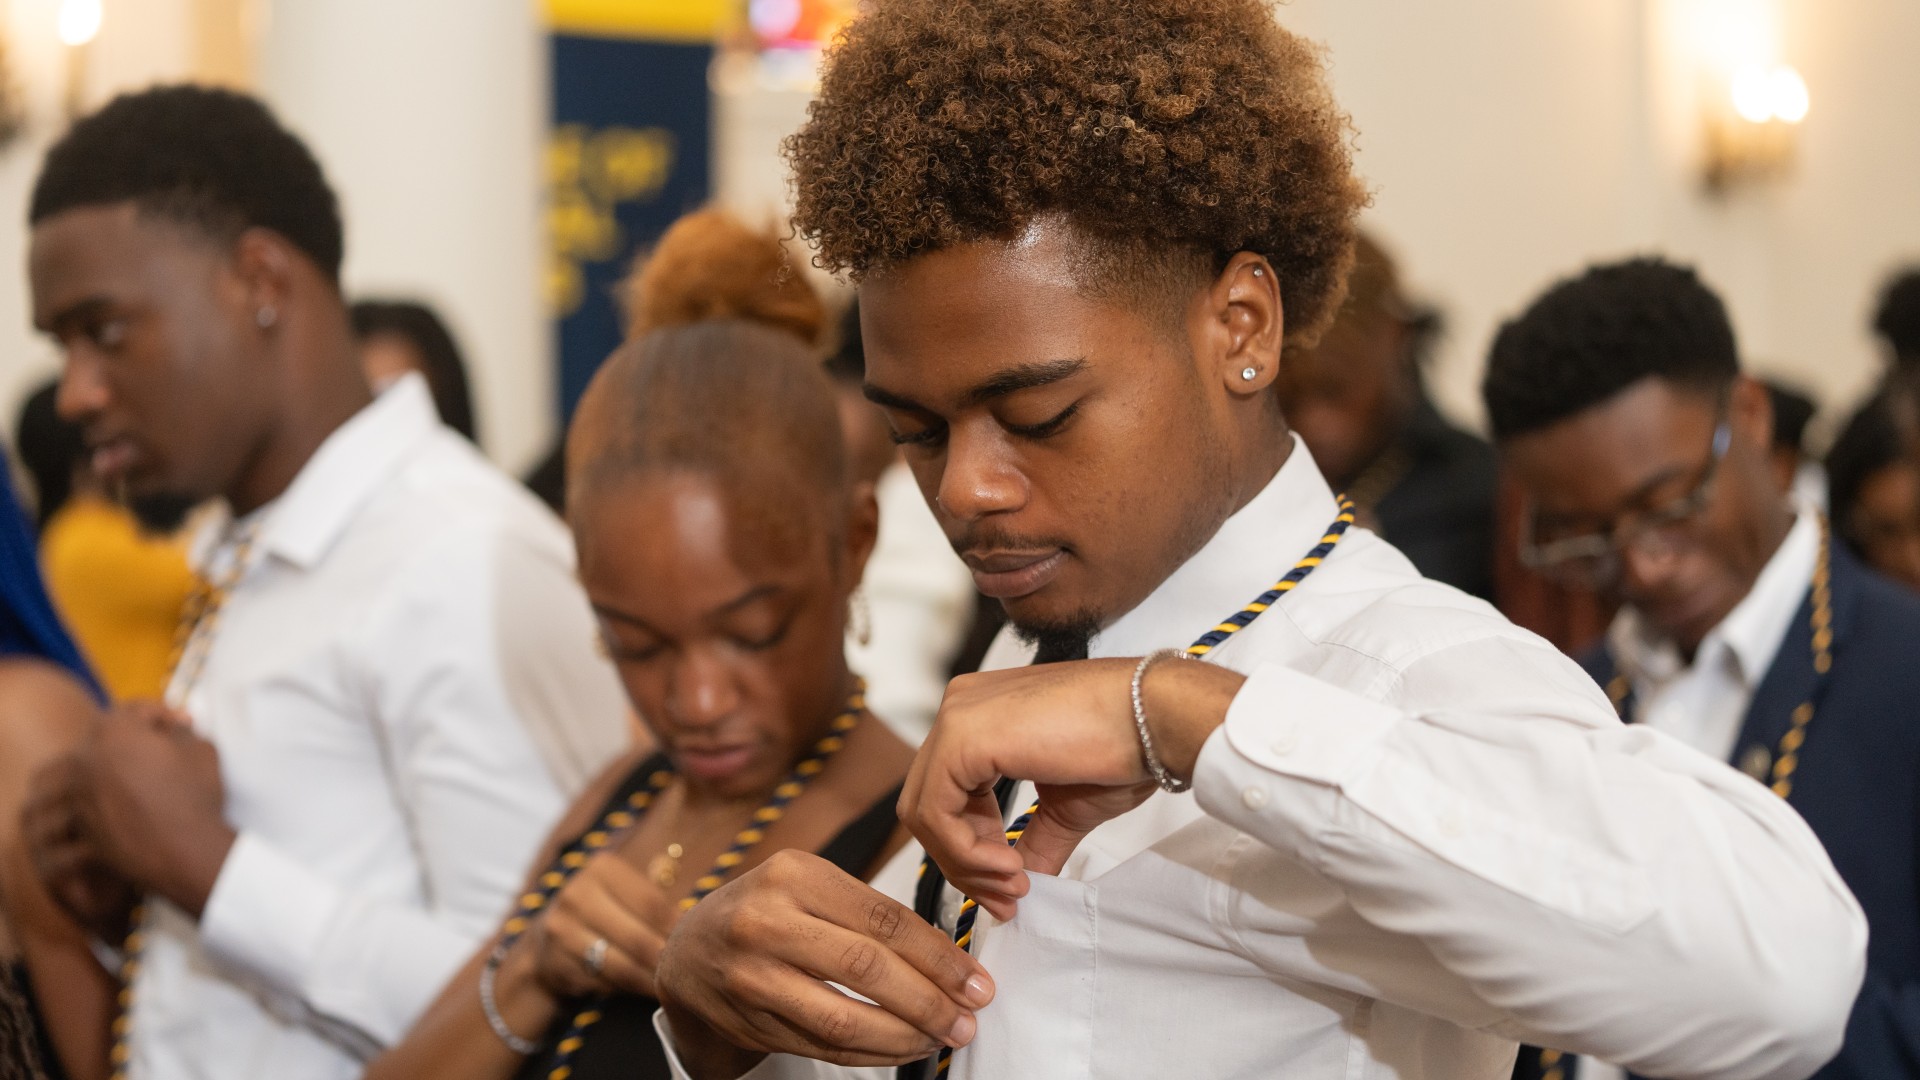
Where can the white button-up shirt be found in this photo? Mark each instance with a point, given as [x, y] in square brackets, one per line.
[1420, 836]
[405, 696]
[1704, 704]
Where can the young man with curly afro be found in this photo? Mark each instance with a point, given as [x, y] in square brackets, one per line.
[1397, 833]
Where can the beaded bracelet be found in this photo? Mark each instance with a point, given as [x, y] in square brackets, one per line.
[488, 1005]
[1158, 770]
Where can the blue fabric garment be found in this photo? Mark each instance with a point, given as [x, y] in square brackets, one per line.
[28, 624]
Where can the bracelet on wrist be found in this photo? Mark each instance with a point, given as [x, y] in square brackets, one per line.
[1155, 767]
[488, 1005]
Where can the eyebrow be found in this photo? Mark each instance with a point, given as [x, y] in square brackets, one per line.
[73, 313]
[1007, 381]
[1635, 499]
[758, 592]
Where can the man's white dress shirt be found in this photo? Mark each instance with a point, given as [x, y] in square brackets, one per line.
[1704, 704]
[1420, 836]
[405, 697]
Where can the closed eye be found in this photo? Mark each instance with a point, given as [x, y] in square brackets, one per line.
[1046, 427]
[926, 436]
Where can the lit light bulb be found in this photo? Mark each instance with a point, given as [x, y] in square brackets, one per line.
[1753, 94]
[1787, 95]
[79, 21]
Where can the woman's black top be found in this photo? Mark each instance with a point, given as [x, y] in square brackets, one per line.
[622, 1045]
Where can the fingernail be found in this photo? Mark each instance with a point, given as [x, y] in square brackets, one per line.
[963, 1030]
[979, 990]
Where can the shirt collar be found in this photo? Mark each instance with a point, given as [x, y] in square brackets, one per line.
[1751, 634]
[303, 523]
[1251, 551]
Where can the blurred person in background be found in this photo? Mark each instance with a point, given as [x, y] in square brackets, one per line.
[911, 612]
[1618, 401]
[401, 336]
[1799, 475]
[918, 606]
[722, 533]
[1896, 319]
[387, 691]
[119, 582]
[48, 699]
[1360, 402]
[1873, 480]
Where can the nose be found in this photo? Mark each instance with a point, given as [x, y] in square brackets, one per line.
[702, 691]
[83, 388]
[1645, 571]
[979, 477]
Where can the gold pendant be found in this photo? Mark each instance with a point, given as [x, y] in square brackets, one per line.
[1757, 762]
[665, 869]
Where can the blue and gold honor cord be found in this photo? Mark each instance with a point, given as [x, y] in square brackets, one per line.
[192, 642]
[1206, 643]
[623, 818]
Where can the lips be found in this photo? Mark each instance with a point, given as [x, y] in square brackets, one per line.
[112, 458]
[1008, 575]
[714, 762]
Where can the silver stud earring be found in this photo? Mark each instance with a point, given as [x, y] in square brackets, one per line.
[266, 317]
[1259, 272]
[1249, 373]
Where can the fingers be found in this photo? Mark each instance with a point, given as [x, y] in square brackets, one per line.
[599, 903]
[1048, 841]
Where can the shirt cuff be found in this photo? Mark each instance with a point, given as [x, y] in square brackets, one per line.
[268, 914]
[1286, 726]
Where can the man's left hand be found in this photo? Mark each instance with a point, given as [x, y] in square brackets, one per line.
[1068, 728]
[147, 792]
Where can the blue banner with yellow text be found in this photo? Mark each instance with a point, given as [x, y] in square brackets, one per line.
[628, 153]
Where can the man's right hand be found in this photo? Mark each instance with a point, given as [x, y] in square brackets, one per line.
[749, 967]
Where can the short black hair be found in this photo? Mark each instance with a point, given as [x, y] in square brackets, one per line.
[1875, 437]
[50, 450]
[421, 327]
[1897, 318]
[205, 157]
[1590, 337]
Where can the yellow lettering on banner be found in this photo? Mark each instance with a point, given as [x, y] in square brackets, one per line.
[590, 173]
[697, 21]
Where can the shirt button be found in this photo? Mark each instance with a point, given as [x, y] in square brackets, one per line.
[1254, 798]
[1284, 743]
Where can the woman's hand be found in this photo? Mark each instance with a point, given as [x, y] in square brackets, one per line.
[607, 899]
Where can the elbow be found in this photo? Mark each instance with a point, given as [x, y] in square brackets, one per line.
[1794, 1003]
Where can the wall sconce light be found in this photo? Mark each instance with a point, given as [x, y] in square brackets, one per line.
[79, 25]
[1752, 132]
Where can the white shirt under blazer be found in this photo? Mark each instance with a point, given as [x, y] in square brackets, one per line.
[1420, 836]
[405, 697]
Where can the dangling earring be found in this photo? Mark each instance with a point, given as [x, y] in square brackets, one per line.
[266, 317]
[860, 617]
[1249, 373]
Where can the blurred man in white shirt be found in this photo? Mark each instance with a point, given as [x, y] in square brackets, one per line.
[389, 692]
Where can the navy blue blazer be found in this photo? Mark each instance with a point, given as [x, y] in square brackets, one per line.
[1858, 785]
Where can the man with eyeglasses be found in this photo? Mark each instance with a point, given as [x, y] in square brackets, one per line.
[1618, 402]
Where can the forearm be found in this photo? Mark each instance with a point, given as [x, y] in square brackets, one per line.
[73, 993]
[1598, 889]
[454, 1041]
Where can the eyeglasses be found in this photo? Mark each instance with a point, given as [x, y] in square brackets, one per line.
[1594, 559]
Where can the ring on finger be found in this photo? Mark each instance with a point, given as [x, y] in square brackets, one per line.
[596, 955]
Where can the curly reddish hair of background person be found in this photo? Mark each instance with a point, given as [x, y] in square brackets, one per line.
[1164, 128]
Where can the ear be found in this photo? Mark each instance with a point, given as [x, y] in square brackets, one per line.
[1750, 414]
[265, 263]
[863, 528]
[1245, 323]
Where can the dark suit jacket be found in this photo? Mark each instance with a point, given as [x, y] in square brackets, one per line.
[1858, 786]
